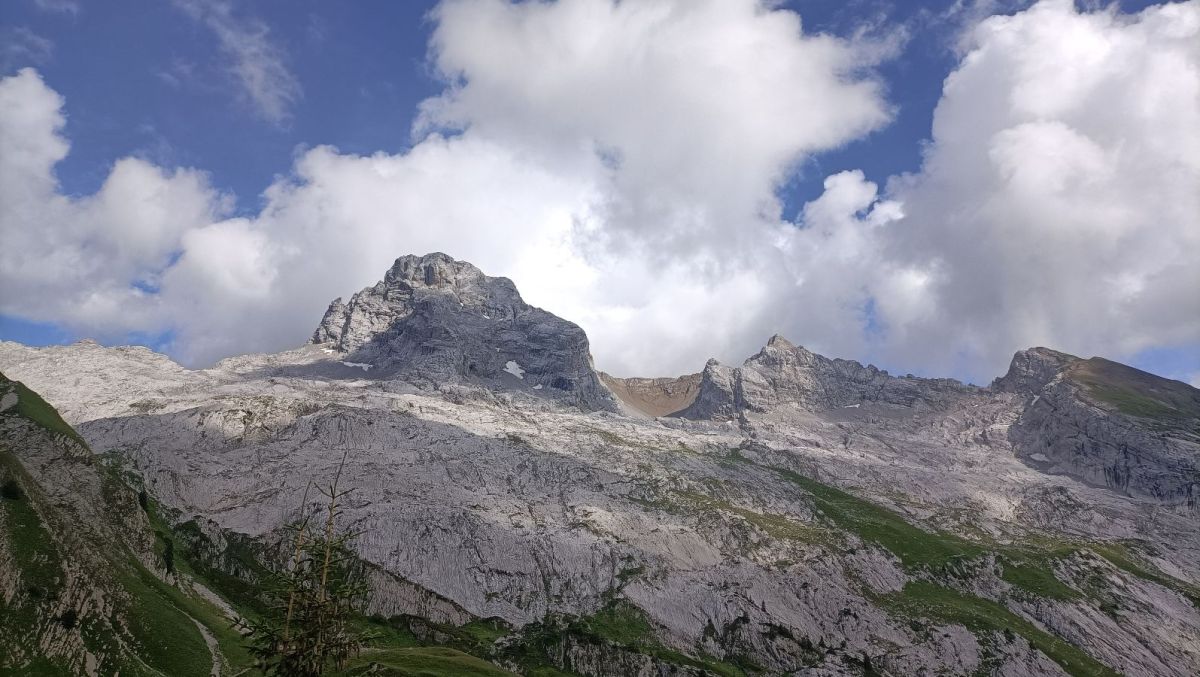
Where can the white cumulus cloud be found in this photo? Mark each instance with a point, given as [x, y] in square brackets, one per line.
[688, 114]
[1059, 201]
[622, 161]
[84, 262]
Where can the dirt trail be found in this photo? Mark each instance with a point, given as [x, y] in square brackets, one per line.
[213, 648]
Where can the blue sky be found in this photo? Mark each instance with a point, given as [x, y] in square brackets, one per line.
[363, 70]
[150, 80]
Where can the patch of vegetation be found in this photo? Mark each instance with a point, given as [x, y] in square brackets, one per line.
[234, 571]
[929, 600]
[1136, 393]
[774, 525]
[230, 642]
[1131, 402]
[620, 626]
[1028, 568]
[914, 547]
[1122, 557]
[423, 662]
[708, 664]
[614, 440]
[621, 623]
[626, 625]
[166, 637]
[150, 627]
[11, 490]
[663, 503]
[33, 549]
[31, 406]
[40, 666]
[486, 631]
[781, 526]
[146, 406]
[1034, 572]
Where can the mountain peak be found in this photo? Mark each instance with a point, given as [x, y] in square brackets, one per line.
[436, 318]
[441, 271]
[417, 283]
[778, 341]
[784, 376]
[1031, 369]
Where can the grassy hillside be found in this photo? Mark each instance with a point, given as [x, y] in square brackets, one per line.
[33, 408]
[86, 588]
[1137, 393]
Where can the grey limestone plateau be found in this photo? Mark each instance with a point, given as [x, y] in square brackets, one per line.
[1046, 524]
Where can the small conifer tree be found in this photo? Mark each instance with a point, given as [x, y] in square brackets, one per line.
[315, 597]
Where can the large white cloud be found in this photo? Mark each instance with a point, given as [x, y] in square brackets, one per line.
[1059, 201]
[694, 111]
[621, 161]
[84, 262]
[590, 176]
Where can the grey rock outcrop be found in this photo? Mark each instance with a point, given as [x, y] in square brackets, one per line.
[435, 318]
[1107, 424]
[783, 376]
[719, 396]
[1032, 370]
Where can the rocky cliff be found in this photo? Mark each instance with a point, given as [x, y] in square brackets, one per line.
[438, 319]
[783, 376]
[1107, 424]
[800, 515]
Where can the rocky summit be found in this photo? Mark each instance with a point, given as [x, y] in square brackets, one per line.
[518, 512]
[782, 376]
[437, 319]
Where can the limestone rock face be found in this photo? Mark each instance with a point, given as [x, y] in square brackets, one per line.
[433, 317]
[1032, 370]
[719, 396]
[783, 376]
[474, 505]
[1107, 424]
[797, 512]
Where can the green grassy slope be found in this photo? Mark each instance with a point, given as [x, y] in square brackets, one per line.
[82, 587]
[32, 407]
[1137, 393]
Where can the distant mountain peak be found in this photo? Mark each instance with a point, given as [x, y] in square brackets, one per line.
[784, 375]
[779, 342]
